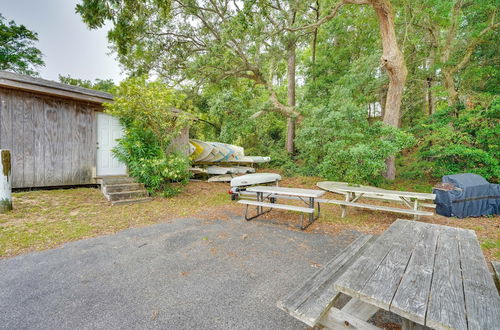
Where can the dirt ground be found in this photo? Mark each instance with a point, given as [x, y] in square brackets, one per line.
[46, 219]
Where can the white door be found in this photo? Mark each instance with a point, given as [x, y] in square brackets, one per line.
[108, 130]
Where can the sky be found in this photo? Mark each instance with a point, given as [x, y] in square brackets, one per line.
[69, 47]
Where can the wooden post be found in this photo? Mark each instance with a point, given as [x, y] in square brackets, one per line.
[5, 181]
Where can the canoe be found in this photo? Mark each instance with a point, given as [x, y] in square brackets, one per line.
[221, 178]
[218, 153]
[238, 152]
[255, 178]
[218, 170]
[242, 169]
[197, 170]
[225, 150]
[192, 148]
[203, 149]
[254, 159]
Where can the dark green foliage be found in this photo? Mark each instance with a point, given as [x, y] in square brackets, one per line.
[467, 143]
[103, 85]
[149, 164]
[229, 58]
[150, 112]
[339, 143]
[17, 50]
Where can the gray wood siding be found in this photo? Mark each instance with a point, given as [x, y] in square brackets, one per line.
[52, 140]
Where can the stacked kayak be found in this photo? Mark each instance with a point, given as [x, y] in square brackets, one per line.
[208, 156]
[216, 152]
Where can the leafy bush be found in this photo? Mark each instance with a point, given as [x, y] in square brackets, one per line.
[149, 164]
[468, 143]
[150, 113]
[339, 143]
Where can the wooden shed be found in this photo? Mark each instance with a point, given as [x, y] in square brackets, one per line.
[57, 133]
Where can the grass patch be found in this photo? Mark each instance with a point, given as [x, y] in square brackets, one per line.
[47, 218]
[493, 246]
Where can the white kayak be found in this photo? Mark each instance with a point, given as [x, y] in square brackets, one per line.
[217, 170]
[254, 159]
[221, 178]
[255, 179]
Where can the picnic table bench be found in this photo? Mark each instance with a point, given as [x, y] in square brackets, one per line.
[431, 275]
[414, 201]
[308, 196]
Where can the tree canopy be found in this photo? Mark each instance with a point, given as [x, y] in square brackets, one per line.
[17, 48]
[103, 85]
[360, 80]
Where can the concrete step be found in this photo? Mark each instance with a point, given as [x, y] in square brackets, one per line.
[109, 180]
[132, 201]
[122, 195]
[111, 188]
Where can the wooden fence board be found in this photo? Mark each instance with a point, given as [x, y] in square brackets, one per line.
[68, 146]
[17, 148]
[39, 141]
[28, 140]
[52, 140]
[6, 121]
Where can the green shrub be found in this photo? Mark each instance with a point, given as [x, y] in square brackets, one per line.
[150, 113]
[147, 162]
[339, 143]
[450, 144]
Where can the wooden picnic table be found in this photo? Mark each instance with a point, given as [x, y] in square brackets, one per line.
[353, 194]
[308, 196]
[430, 275]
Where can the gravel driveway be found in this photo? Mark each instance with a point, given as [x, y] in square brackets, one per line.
[184, 274]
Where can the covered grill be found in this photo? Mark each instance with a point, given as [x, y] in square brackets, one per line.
[466, 195]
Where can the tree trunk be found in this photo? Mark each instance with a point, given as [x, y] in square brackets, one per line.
[393, 61]
[314, 42]
[290, 136]
[449, 84]
[430, 97]
[382, 99]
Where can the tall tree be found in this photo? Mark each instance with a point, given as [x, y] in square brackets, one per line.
[193, 42]
[449, 35]
[392, 61]
[17, 50]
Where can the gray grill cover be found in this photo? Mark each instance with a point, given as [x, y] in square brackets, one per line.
[473, 196]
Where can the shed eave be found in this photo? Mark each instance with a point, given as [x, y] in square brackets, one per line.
[47, 87]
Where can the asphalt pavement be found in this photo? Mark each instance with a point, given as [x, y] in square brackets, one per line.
[183, 274]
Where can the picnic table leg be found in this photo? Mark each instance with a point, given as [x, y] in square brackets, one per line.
[260, 209]
[352, 316]
[415, 207]
[344, 208]
[311, 205]
[360, 309]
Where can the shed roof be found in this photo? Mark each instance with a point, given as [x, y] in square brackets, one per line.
[47, 87]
